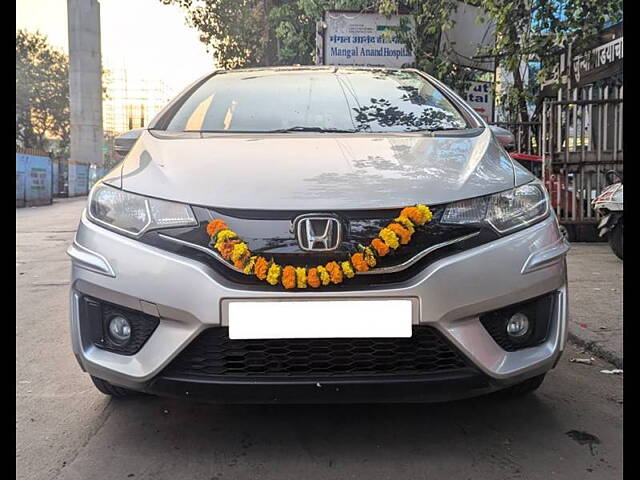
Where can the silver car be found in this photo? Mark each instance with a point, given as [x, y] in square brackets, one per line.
[317, 234]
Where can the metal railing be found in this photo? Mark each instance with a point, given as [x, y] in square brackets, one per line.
[582, 139]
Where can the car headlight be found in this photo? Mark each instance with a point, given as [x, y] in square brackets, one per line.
[133, 214]
[504, 212]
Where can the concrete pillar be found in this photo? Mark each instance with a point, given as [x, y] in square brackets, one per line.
[85, 92]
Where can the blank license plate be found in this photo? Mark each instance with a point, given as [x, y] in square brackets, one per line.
[320, 319]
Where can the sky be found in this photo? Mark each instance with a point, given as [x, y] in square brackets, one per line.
[149, 39]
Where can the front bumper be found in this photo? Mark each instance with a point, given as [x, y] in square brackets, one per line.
[448, 295]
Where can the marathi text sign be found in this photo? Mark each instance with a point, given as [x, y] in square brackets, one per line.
[365, 39]
[598, 57]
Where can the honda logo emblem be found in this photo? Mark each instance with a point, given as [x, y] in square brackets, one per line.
[318, 233]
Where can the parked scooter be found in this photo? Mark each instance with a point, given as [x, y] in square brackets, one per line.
[609, 205]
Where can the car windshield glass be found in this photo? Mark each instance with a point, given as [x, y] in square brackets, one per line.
[322, 101]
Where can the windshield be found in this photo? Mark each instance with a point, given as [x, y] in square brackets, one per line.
[335, 100]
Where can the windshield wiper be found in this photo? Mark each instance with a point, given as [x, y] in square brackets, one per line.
[444, 129]
[311, 129]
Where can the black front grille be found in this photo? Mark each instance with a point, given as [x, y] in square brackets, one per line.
[213, 355]
[270, 235]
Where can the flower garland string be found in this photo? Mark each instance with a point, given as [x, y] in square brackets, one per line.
[235, 251]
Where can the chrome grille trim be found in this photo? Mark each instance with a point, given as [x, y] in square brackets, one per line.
[418, 256]
[382, 270]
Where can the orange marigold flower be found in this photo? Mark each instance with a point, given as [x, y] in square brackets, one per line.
[380, 247]
[226, 249]
[313, 278]
[242, 261]
[214, 226]
[289, 277]
[335, 272]
[359, 263]
[414, 214]
[402, 232]
[261, 268]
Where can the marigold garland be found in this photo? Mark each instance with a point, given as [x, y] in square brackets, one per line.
[381, 248]
[335, 272]
[261, 268]
[313, 279]
[393, 236]
[301, 277]
[289, 277]
[274, 274]
[325, 278]
[389, 237]
[359, 263]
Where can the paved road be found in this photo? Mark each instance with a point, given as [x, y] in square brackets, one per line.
[65, 429]
[595, 279]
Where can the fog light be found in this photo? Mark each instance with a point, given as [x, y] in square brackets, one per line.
[119, 330]
[518, 325]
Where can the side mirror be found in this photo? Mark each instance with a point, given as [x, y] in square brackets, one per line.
[504, 136]
[123, 143]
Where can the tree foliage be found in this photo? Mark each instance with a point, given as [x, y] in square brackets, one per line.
[252, 33]
[538, 31]
[247, 33]
[42, 92]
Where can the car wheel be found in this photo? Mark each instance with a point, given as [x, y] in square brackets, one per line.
[112, 390]
[615, 239]
[528, 386]
[566, 232]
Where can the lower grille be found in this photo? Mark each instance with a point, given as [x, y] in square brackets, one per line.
[213, 355]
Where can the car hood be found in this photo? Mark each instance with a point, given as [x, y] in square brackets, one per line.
[316, 171]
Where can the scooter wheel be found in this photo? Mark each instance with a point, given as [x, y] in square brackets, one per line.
[615, 239]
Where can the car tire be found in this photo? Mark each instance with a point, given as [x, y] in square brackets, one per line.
[109, 389]
[528, 386]
[567, 232]
[615, 239]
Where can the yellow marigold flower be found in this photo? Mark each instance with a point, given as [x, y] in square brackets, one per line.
[425, 212]
[406, 223]
[301, 277]
[225, 234]
[239, 249]
[289, 277]
[369, 257]
[402, 233]
[347, 269]
[325, 278]
[274, 274]
[248, 268]
[389, 238]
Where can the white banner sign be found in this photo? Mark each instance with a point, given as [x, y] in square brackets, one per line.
[359, 39]
[479, 97]
[460, 44]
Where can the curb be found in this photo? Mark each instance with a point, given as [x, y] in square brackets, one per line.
[596, 349]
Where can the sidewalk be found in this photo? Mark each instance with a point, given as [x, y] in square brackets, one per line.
[595, 300]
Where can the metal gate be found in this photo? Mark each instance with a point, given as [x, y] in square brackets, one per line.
[581, 139]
